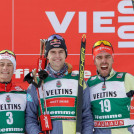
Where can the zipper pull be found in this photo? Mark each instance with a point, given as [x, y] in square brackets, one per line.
[104, 85]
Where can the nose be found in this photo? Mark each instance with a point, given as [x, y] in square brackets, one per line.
[4, 67]
[104, 60]
[57, 54]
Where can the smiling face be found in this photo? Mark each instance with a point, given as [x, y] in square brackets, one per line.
[6, 70]
[56, 57]
[103, 62]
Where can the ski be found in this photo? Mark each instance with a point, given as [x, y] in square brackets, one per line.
[80, 85]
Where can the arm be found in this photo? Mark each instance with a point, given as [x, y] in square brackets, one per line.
[32, 124]
[87, 117]
[129, 84]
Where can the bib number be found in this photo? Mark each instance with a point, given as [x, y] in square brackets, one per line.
[10, 118]
[105, 105]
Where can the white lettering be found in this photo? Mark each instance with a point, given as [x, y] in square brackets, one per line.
[125, 44]
[18, 73]
[98, 21]
[123, 4]
[60, 28]
[87, 74]
[26, 71]
[82, 22]
[122, 32]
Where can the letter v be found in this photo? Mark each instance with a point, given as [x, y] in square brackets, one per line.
[60, 28]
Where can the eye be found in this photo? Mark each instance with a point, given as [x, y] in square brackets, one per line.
[1, 64]
[9, 65]
[108, 56]
[98, 57]
[61, 51]
[52, 52]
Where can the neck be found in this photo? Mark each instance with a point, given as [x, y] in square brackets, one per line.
[56, 69]
[5, 81]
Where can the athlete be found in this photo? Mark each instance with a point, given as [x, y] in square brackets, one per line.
[60, 91]
[110, 93]
[12, 97]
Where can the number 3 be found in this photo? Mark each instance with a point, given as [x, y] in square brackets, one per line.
[10, 118]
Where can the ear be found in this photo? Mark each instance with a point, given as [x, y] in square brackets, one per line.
[113, 57]
[94, 61]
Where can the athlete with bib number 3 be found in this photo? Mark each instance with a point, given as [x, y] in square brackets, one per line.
[12, 97]
[110, 93]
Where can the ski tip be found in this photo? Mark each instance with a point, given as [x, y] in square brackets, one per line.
[83, 37]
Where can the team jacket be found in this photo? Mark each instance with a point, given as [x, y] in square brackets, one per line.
[110, 101]
[61, 100]
[12, 109]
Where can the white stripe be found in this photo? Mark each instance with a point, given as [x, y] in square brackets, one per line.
[111, 86]
[126, 44]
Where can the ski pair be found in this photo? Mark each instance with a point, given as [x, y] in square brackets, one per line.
[45, 118]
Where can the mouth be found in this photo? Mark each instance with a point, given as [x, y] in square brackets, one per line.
[4, 72]
[57, 60]
[104, 68]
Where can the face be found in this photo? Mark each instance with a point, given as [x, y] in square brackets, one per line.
[56, 57]
[103, 62]
[6, 70]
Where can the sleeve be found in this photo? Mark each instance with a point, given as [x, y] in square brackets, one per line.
[129, 84]
[87, 117]
[32, 123]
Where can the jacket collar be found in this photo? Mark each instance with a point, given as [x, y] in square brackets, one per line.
[6, 87]
[112, 73]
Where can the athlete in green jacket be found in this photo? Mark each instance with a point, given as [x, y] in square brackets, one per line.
[60, 92]
[12, 97]
[110, 93]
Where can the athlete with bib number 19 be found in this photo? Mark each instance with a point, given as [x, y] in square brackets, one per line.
[110, 93]
[12, 97]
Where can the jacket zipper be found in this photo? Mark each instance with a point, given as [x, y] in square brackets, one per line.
[5, 87]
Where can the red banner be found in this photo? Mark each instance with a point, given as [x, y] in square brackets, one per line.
[25, 22]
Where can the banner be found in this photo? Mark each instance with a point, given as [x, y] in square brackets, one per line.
[25, 22]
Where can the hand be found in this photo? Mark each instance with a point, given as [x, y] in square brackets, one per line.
[42, 74]
[28, 78]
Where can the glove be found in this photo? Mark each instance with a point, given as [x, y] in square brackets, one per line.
[42, 74]
[28, 78]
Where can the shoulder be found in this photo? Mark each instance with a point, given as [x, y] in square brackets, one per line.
[31, 88]
[92, 80]
[32, 94]
[129, 76]
[17, 88]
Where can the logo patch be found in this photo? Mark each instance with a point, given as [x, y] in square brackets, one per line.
[103, 87]
[58, 84]
[93, 78]
[120, 75]
[55, 43]
[73, 74]
[8, 99]
[29, 98]
[18, 88]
